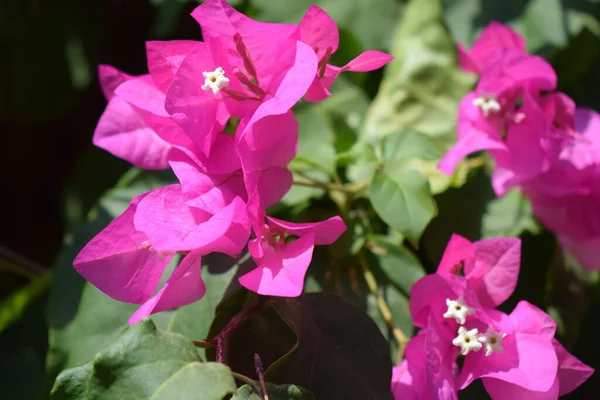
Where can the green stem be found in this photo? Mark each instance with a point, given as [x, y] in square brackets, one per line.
[247, 381]
[384, 309]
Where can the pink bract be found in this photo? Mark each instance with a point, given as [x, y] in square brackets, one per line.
[495, 36]
[281, 266]
[120, 260]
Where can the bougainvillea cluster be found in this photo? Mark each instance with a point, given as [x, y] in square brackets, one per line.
[539, 139]
[218, 113]
[244, 74]
[515, 355]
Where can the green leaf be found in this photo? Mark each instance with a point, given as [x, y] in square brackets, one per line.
[371, 21]
[72, 383]
[197, 381]
[276, 392]
[509, 215]
[349, 357]
[422, 87]
[401, 151]
[315, 144]
[146, 363]
[397, 262]
[101, 319]
[403, 201]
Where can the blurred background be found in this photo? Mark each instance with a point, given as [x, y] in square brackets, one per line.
[50, 102]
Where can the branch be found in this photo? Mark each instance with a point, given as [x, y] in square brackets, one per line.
[384, 309]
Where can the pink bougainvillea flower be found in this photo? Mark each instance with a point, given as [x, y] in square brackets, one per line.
[522, 147]
[475, 133]
[120, 260]
[572, 373]
[490, 266]
[446, 296]
[515, 355]
[265, 146]
[519, 350]
[319, 31]
[165, 58]
[565, 197]
[172, 225]
[219, 20]
[512, 68]
[122, 131]
[402, 383]
[495, 36]
[470, 276]
[184, 286]
[282, 265]
[429, 369]
[234, 71]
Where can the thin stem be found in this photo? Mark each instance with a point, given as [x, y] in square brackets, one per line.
[203, 343]
[260, 371]
[384, 309]
[246, 380]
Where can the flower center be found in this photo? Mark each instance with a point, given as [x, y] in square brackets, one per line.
[492, 341]
[458, 310]
[467, 341]
[487, 104]
[274, 238]
[215, 80]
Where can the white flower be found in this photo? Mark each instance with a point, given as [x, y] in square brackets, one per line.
[487, 104]
[492, 341]
[467, 341]
[215, 80]
[458, 310]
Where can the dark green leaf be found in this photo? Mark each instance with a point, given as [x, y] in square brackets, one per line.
[349, 357]
[403, 201]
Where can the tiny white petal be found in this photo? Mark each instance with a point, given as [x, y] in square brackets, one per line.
[215, 80]
[458, 310]
[492, 341]
[467, 340]
[487, 104]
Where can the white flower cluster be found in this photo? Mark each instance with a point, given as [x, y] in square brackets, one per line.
[471, 340]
